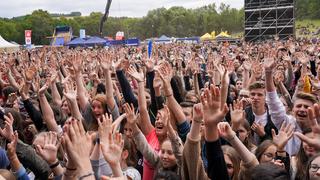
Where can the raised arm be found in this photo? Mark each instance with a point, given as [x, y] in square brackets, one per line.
[106, 62]
[192, 163]
[228, 134]
[71, 96]
[16, 166]
[269, 65]
[246, 74]
[145, 123]
[56, 98]
[47, 113]
[35, 115]
[81, 90]
[212, 115]
[139, 139]
[165, 73]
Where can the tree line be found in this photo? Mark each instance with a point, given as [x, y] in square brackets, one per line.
[175, 21]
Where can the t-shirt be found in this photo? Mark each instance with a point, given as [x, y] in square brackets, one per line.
[148, 170]
[132, 173]
[263, 120]
[4, 161]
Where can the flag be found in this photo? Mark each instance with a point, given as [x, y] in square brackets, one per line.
[150, 48]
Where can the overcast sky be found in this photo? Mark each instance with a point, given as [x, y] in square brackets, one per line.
[131, 8]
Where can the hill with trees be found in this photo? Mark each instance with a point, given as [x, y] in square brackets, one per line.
[175, 21]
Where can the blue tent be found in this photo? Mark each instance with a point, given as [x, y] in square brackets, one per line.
[133, 42]
[93, 41]
[77, 42]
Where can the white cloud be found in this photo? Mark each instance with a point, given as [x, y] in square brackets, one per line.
[118, 7]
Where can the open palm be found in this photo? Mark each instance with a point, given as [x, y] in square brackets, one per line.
[139, 76]
[112, 151]
[212, 112]
[49, 151]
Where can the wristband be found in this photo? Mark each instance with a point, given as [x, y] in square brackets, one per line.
[52, 166]
[198, 121]
[71, 169]
[231, 139]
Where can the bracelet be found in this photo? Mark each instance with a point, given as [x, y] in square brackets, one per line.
[85, 176]
[198, 121]
[140, 81]
[169, 95]
[71, 169]
[233, 137]
[52, 166]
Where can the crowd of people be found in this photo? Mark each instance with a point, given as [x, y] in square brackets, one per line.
[207, 111]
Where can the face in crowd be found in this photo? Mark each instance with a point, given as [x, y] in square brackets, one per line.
[167, 156]
[258, 97]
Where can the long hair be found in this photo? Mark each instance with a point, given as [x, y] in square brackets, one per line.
[307, 175]
[248, 142]
[263, 147]
[302, 160]
[234, 157]
[132, 151]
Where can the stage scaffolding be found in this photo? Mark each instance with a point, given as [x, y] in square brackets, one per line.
[264, 19]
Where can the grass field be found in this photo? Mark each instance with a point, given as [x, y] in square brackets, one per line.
[311, 25]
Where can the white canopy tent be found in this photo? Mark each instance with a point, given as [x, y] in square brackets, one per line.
[7, 46]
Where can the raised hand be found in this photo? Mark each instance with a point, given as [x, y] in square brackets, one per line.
[212, 112]
[157, 81]
[303, 58]
[105, 61]
[78, 144]
[12, 146]
[139, 76]
[247, 65]
[165, 116]
[69, 92]
[113, 150]
[236, 112]
[77, 62]
[197, 113]
[269, 62]
[166, 73]
[225, 131]
[30, 73]
[258, 128]
[49, 151]
[105, 128]
[149, 64]
[129, 110]
[285, 133]
[7, 131]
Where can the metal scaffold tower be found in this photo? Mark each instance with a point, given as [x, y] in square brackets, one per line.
[264, 19]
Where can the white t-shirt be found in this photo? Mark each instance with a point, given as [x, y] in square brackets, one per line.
[262, 119]
[132, 173]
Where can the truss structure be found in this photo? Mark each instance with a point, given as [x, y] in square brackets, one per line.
[264, 19]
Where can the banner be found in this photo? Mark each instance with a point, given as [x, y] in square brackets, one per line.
[27, 35]
[120, 35]
[82, 33]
